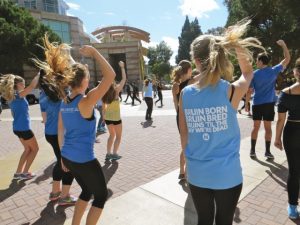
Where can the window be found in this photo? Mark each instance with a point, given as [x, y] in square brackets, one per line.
[62, 29]
[30, 4]
[51, 6]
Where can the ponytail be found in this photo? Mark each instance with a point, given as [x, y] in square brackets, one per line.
[180, 70]
[57, 66]
[8, 84]
[213, 52]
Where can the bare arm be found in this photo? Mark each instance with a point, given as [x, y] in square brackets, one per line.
[44, 117]
[182, 126]
[30, 87]
[279, 128]
[242, 84]
[60, 131]
[286, 53]
[86, 105]
[175, 90]
[60, 136]
[120, 86]
[248, 97]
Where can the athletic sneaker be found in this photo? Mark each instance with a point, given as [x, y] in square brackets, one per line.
[54, 196]
[108, 156]
[115, 157]
[68, 200]
[269, 155]
[252, 154]
[293, 212]
[27, 176]
[17, 176]
[181, 176]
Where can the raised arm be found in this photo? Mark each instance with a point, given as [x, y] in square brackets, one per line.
[286, 53]
[242, 84]
[120, 86]
[87, 104]
[30, 87]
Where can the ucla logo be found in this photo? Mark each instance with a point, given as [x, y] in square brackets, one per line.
[205, 136]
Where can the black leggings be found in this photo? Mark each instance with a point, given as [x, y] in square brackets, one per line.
[90, 178]
[149, 102]
[160, 98]
[215, 205]
[58, 174]
[291, 143]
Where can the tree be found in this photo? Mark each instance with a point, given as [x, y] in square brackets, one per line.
[268, 23]
[19, 35]
[218, 31]
[188, 33]
[159, 57]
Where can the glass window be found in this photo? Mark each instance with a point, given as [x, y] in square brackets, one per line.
[30, 4]
[62, 29]
[51, 6]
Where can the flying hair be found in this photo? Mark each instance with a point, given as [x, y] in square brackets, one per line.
[57, 65]
[8, 84]
[214, 51]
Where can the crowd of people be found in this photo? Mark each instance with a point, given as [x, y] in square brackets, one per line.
[206, 104]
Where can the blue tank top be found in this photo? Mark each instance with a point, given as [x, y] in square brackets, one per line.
[212, 150]
[80, 133]
[43, 101]
[148, 90]
[20, 111]
[52, 110]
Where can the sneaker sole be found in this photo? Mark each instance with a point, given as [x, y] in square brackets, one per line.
[53, 199]
[63, 204]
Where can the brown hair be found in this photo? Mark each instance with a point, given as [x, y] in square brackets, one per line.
[180, 70]
[297, 64]
[213, 52]
[60, 69]
[8, 85]
[110, 95]
[146, 82]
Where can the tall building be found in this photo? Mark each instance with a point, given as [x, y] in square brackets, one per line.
[115, 42]
[53, 6]
[53, 14]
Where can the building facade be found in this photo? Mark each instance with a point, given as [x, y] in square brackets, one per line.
[124, 43]
[115, 43]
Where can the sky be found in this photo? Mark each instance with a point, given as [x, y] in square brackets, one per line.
[163, 19]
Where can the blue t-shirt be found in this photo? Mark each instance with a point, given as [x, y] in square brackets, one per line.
[263, 83]
[148, 90]
[80, 133]
[42, 100]
[52, 110]
[20, 111]
[212, 151]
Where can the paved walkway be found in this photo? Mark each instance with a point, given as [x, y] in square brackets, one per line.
[143, 185]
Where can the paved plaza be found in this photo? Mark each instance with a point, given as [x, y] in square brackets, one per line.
[143, 185]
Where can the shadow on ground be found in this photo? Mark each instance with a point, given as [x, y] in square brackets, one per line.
[147, 124]
[276, 171]
[14, 187]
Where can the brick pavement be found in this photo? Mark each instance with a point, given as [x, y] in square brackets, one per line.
[149, 151]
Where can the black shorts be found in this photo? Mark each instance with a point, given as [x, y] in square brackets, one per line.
[26, 135]
[264, 112]
[109, 122]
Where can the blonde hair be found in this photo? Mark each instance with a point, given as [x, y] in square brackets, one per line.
[213, 52]
[180, 70]
[8, 84]
[59, 66]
